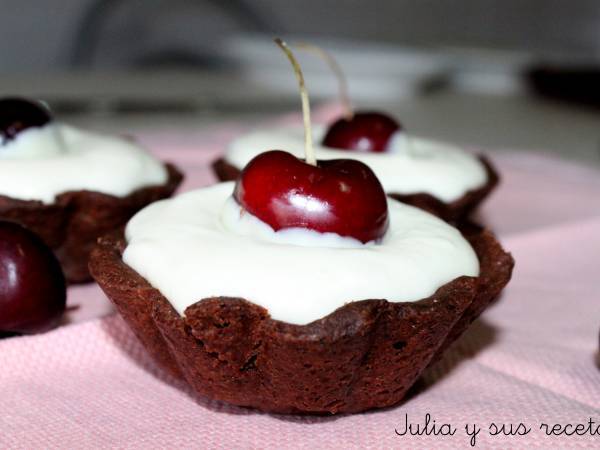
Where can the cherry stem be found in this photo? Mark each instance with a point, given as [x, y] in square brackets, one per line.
[308, 141]
[338, 72]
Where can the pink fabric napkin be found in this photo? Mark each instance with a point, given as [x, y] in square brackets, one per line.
[531, 359]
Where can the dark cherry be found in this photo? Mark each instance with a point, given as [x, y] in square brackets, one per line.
[18, 114]
[364, 132]
[340, 196]
[32, 285]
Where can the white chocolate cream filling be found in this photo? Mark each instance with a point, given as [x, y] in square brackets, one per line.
[41, 163]
[200, 245]
[411, 165]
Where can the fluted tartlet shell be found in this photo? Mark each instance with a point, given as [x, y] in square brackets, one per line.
[364, 355]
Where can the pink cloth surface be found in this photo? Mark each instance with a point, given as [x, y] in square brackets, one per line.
[531, 358]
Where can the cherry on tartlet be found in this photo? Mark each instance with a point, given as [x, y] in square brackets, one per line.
[18, 114]
[341, 196]
[363, 132]
[32, 284]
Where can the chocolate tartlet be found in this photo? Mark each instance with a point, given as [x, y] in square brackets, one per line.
[72, 224]
[364, 355]
[457, 211]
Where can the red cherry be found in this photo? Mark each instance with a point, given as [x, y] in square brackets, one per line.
[364, 132]
[18, 114]
[32, 285]
[340, 196]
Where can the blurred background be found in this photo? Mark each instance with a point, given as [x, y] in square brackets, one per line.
[506, 74]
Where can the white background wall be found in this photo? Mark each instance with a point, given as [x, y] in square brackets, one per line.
[40, 34]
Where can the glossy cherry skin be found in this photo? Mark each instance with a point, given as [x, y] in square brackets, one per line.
[340, 196]
[18, 114]
[32, 285]
[364, 132]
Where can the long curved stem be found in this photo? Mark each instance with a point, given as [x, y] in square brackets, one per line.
[338, 72]
[308, 141]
